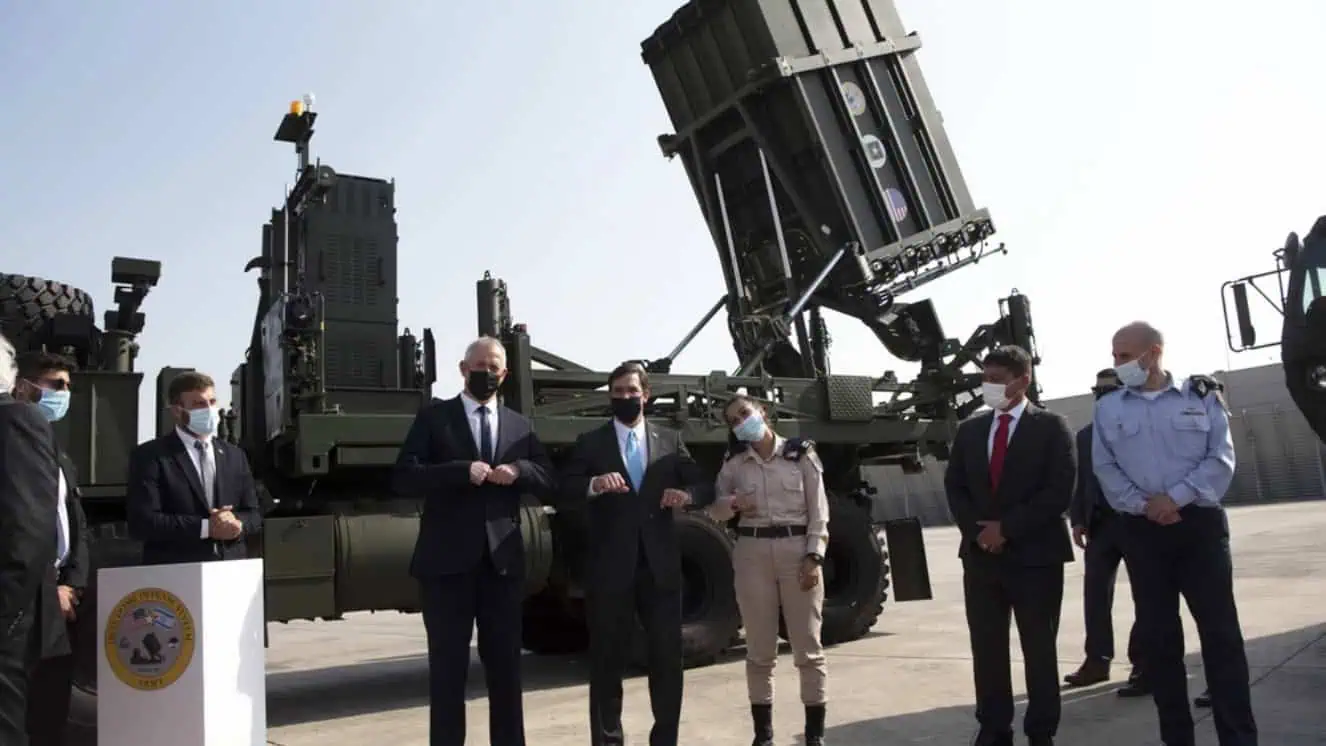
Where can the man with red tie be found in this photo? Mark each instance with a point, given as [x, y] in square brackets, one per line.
[1009, 481]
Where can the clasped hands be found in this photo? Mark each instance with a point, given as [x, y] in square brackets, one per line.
[503, 475]
[223, 525]
[1163, 510]
[616, 483]
[991, 538]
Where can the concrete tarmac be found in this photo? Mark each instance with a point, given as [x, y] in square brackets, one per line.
[365, 680]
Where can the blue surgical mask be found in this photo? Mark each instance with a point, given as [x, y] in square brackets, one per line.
[751, 429]
[203, 421]
[54, 404]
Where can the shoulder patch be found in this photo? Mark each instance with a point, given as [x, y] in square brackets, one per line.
[795, 448]
[1204, 386]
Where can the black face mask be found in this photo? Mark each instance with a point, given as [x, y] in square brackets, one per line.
[627, 410]
[482, 384]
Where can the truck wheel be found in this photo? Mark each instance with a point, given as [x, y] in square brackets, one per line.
[537, 535]
[106, 549]
[553, 624]
[855, 574]
[27, 304]
[709, 615]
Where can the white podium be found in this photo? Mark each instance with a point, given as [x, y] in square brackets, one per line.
[182, 660]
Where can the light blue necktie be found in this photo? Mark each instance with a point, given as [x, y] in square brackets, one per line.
[635, 461]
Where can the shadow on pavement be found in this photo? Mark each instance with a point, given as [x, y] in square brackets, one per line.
[386, 684]
[1288, 673]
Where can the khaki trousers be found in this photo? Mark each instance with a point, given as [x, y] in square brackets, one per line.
[766, 573]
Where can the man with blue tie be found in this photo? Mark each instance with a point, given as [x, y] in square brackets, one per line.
[632, 474]
[1164, 456]
[469, 460]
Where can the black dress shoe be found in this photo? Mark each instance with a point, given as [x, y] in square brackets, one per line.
[1092, 671]
[1040, 741]
[1203, 699]
[994, 739]
[1136, 686]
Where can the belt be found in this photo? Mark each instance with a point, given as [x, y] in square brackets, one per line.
[770, 532]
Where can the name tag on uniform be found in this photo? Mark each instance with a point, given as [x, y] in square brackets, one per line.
[1193, 411]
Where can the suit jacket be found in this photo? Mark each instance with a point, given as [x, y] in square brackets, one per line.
[462, 522]
[1087, 498]
[167, 507]
[55, 637]
[623, 525]
[1034, 490]
[28, 483]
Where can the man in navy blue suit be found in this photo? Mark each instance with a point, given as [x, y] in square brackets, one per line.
[469, 460]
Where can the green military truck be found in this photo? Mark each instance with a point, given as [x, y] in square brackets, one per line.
[821, 167]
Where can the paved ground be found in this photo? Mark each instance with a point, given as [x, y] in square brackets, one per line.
[363, 680]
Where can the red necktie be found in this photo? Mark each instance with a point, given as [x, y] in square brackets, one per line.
[998, 450]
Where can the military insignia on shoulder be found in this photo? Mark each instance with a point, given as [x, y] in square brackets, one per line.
[1204, 386]
[795, 448]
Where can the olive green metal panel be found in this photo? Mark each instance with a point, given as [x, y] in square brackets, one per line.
[101, 427]
[373, 562]
[299, 557]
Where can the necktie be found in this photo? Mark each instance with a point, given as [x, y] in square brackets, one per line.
[635, 461]
[207, 471]
[485, 436]
[998, 450]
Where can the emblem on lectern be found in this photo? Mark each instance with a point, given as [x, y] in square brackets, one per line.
[149, 639]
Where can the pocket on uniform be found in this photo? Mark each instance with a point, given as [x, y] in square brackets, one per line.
[1119, 429]
[793, 483]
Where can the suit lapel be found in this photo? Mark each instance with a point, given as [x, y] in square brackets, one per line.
[460, 425]
[179, 455]
[657, 449]
[981, 442]
[222, 456]
[504, 435]
[1019, 436]
[609, 435]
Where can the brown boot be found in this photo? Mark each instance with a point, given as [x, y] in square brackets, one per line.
[1092, 671]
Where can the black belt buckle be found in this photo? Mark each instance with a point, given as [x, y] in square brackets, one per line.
[771, 532]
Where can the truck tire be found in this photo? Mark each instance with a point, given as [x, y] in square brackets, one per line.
[855, 574]
[709, 615]
[107, 548]
[537, 535]
[27, 304]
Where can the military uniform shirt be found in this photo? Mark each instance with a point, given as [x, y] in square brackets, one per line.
[1173, 442]
[785, 492]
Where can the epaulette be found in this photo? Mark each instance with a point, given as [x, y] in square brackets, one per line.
[795, 448]
[734, 447]
[1204, 385]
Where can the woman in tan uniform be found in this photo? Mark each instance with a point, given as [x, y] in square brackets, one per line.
[776, 488]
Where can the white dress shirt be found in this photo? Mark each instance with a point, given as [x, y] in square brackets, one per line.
[623, 434]
[209, 451]
[1016, 410]
[475, 419]
[62, 522]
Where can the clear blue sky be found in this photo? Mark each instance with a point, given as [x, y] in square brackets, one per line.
[1134, 156]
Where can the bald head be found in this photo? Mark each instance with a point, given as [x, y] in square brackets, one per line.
[1139, 343]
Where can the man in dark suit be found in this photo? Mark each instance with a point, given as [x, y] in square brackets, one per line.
[633, 474]
[1009, 481]
[29, 483]
[191, 497]
[469, 460]
[1099, 533]
[44, 381]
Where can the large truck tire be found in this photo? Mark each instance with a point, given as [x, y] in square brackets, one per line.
[537, 535]
[108, 547]
[709, 615]
[855, 573]
[27, 305]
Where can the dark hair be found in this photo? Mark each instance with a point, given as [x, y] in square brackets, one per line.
[186, 383]
[742, 399]
[34, 363]
[629, 368]
[1012, 358]
[1107, 373]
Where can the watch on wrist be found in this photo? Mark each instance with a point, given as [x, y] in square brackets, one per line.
[816, 558]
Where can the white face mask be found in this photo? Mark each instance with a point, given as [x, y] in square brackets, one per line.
[1131, 373]
[994, 395]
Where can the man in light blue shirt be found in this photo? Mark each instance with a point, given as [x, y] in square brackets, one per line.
[1164, 457]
